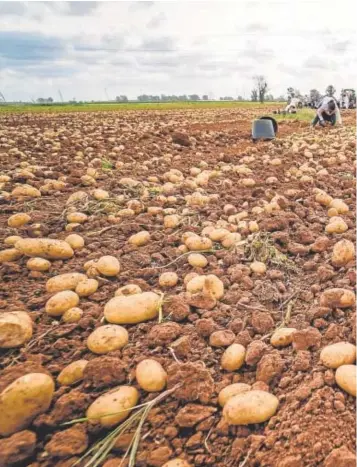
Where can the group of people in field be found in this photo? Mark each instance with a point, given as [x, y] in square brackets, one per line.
[327, 111]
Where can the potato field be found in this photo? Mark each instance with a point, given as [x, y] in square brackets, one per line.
[173, 294]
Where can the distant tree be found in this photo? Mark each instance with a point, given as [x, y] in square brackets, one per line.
[121, 98]
[49, 100]
[194, 97]
[280, 98]
[270, 97]
[183, 97]
[254, 95]
[330, 90]
[44, 100]
[240, 98]
[205, 97]
[261, 86]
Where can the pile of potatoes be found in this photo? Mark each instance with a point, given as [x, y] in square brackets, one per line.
[341, 357]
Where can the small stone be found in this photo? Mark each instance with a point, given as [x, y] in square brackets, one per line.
[306, 338]
[340, 457]
[221, 338]
[192, 414]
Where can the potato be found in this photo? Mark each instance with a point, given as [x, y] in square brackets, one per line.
[189, 277]
[132, 309]
[114, 406]
[107, 338]
[24, 399]
[18, 220]
[171, 221]
[338, 298]
[209, 284]
[11, 240]
[168, 279]
[346, 378]
[75, 241]
[231, 239]
[196, 243]
[177, 463]
[340, 206]
[87, 287]
[77, 217]
[233, 357]
[129, 289]
[108, 266]
[72, 373]
[61, 302]
[140, 238]
[258, 267]
[323, 198]
[67, 281]
[44, 248]
[197, 260]
[100, 194]
[332, 212]
[15, 329]
[11, 254]
[250, 407]
[336, 355]
[217, 235]
[73, 315]
[25, 191]
[38, 264]
[282, 337]
[150, 375]
[343, 252]
[232, 390]
[336, 225]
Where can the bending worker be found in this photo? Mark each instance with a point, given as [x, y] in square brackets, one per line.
[327, 111]
[293, 105]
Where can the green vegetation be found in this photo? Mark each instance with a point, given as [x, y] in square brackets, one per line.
[100, 107]
[305, 115]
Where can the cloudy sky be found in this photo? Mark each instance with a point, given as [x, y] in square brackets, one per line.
[174, 47]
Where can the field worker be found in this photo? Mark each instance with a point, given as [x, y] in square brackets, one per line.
[291, 108]
[347, 100]
[327, 111]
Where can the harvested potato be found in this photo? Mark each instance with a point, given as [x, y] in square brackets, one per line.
[24, 399]
[77, 217]
[216, 235]
[140, 238]
[171, 221]
[336, 355]
[231, 239]
[282, 337]
[233, 357]
[323, 198]
[87, 287]
[11, 254]
[129, 289]
[168, 279]
[100, 194]
[336, 225]
[18, 220]
[44, 248]
[75, 241]
[197, 260]
[25, 191]
[250, 407]
[67, 281]
[107, 338]
[209, 284]
[346, 378]
[338, 298]
[61, 302]
[15, 329]
[38, 264]
[258, 267]
[77, 196]
[108, 266]
[189, 277]
[196, 243]
[343, 252]
[11, 239]
[150, 375]
[73, 315]
[177, 463]
[340, 206]
[72, 373]
[132, 309]
[119, 401]
[232, 390]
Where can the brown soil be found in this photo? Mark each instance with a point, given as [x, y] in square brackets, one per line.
[314, 425]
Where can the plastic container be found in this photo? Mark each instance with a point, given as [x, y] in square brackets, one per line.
[263, 129]
[274, 122]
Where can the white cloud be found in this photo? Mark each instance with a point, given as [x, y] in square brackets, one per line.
[174, 47]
